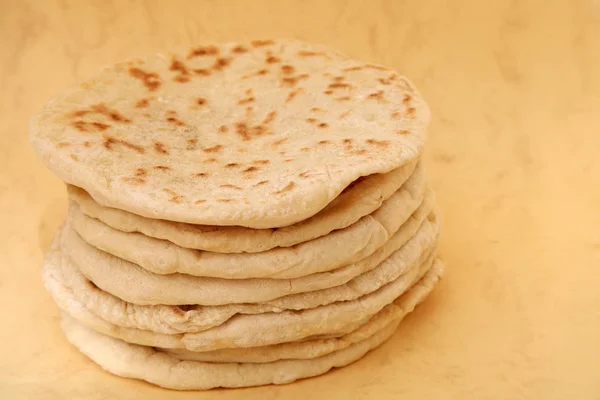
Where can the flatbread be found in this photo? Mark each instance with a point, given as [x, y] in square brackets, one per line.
[390, 315]
[359, 199]
[173, 320]
[140, 362]
[173, 372]
[260, 135]
[134, 284]
[251, 330]
[335, 250]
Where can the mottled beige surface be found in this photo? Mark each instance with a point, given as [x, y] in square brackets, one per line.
[512, 155]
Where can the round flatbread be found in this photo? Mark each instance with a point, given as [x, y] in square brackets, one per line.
[262, 134]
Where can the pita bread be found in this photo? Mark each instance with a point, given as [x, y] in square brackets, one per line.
[339, 248]
[134, 361]
[390, 315]
[173, 320]
[136, 285]
[251, 330]
[241, 134]
[173, 372]
[359, 199]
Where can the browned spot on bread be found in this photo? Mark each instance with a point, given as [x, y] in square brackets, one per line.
[380, 143]
[84, 126]
[323, 125]
[292, 94]
[360, 152]
[228, 186]
[102, 109]
[181, 69]
[210, 160]
[339, 85]
[224, 200]
[223, 129]
[239, 49]
[86, 144]
[402, 132]
[388, 80]
[356, 68]
[181, 78]
[175, 197]
[214, 149]
[141, 172]
[305, 149]
[287, 69]
[251, 169]
[246, 100]
[396, 115]
[134, 181]
[62, 145]
[257, 73]
[290, 186]
[143, 103]
[261, 162]
[270, 117]
[202, 71]
[311, 120]
[261, 183]
[406, 99]
[304, 174]
[203, 51]
[316, 109]
[249, 132]
[201, 175]
[109, 141]
[191, 144]
[411, 112]
[305, 53]
[161, 167]
[293, 80]
[272, 60]
[175, 121]
[343, 98]
[278, 142]
[221, 63]
[324, 141]
[200, 101]
[329, 91]
[232, 165]
[149, 79]
[261, 43]
[200, 201]
[160, 148]
[347, 142]
[378, 95]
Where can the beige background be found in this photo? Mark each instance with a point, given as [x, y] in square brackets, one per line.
[515, 93]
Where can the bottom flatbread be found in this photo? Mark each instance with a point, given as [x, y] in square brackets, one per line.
[146, 363]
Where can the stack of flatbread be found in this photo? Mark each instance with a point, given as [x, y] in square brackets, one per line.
[240, 214]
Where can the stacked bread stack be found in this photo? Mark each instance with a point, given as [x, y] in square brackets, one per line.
[239, 215]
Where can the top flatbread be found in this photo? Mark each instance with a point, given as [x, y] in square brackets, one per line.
[261, 134]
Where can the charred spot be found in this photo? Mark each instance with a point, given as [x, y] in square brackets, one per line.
[161, 168]
[142, 103]
[211, 160]
[261, 162]
[223, 129]
[261, 183]
[203, 51]
[213, 149]
[246, 100]
[270, 117]
[63, 145]
[202, 71]
[228, 186]
[290, 186]
[141, 172]
[261, 43]
[110, 141]
[232, 165]
[291, 95]
[201, 101]
[160, 148]
[305, 53]
[134, 180]
[343, 98]
[224, 200]
[324, 141]
[323, 125]
[402, 132]
[239, 49]
[200, 201]
[149, 79]
[272, 60]
[280, 141]
[260, 72]
[339, 85]
[221, 63]
[251, 169]
[287, 69]
[201, 175]
[380, 143]
[175, 121]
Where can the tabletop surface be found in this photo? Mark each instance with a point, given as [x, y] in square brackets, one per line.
[514, 87]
